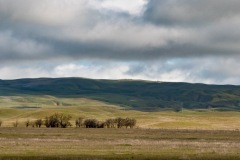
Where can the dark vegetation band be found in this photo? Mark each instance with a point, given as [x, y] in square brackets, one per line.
[63, 121]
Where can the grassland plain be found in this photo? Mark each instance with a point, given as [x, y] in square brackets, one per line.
[75, 143]
[21, 108]
[190, 134]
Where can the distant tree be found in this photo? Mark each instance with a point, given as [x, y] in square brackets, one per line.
[1, 122]
[101, 124]
[64, 120]
[47, 122]
[15, 124]
[90, 123]
[130, 122]
[38, 123]
[79, 122]
[110, 123]
[58, 121]
[120, 122]
[52, 121]
[178, 109]
[27, 123]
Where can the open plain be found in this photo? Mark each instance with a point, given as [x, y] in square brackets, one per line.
[166, 134]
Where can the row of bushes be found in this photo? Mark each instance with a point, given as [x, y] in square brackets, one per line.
[63, 121]
[109, 123]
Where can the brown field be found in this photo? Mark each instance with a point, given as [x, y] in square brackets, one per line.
[82, 143]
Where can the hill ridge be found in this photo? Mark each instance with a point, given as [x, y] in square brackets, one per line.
[138, 94]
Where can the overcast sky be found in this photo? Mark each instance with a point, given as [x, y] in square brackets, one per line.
[194, 41]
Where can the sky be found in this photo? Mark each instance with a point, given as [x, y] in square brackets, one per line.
[196, 41]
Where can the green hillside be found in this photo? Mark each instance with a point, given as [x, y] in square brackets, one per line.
[136, 94]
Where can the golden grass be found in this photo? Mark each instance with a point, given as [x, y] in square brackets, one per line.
[72, 143]
[188, 119]
[184, 135]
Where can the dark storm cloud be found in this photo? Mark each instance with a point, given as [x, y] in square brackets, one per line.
[167, 29]
[191, 12]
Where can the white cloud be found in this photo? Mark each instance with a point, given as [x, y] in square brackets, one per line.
[15, 72]
[44, 12]
[134, 7]
[108, 71]
[194, 70]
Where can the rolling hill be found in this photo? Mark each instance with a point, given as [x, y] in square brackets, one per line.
[135, 94]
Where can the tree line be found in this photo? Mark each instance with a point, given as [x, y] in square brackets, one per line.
[63, 121]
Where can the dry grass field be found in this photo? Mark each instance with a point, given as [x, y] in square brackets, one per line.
[33, 107]
[75, 143]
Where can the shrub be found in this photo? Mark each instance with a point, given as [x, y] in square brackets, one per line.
[90, 123]
[101, 124]
[47, 122]
[27, 123]
[1, 122]
[38, 123]
[58, 121]
[120, 122]
[52, 121]
[110, 123]
[15, 124]
[79, 122]
[65, 120]
[130, 122]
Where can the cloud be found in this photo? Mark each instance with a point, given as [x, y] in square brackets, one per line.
[133, 7]
[50, 13]
[166, 28]
[195, 70]
[191, 12]
[187, 40]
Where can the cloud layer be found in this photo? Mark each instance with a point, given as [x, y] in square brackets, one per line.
[142, 35]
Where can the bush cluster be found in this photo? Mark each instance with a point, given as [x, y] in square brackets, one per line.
[58, 121]
[121, 122]
[63, 121]
[37, 123]
[109, 123]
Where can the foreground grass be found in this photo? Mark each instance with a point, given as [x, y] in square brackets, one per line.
[75, 143]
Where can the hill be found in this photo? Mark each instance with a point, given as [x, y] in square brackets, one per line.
[136, 94]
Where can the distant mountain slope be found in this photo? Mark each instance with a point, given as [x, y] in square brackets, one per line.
[143, 95]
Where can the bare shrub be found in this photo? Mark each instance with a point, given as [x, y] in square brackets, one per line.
[47, 122]
[90, 123]
[27, 123]
[100, 124]
[79, 122]
[120, 122]
[65, 120]
[58, 121]
[110, 123]
[1, 122]
[130, 122]
[15, 124]
[52, 121]
[38, 123]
